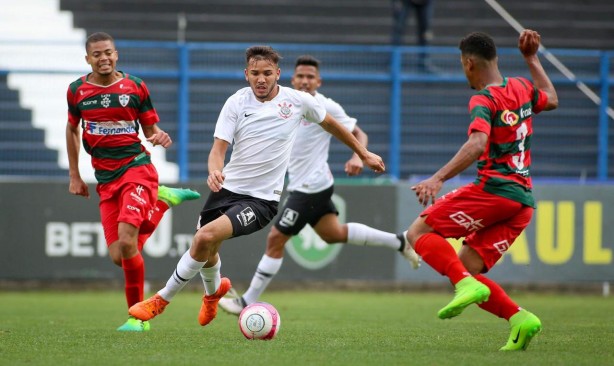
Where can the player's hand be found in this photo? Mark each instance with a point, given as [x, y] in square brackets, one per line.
[528, 42]
[426, 191]
[78, 187]
[374, 162]
[354, 166]
[215, 180]
[160, 138]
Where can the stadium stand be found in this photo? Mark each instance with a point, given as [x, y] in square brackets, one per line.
[564, 23]
[426, 145]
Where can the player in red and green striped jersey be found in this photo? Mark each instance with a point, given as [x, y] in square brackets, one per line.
[111, 106]
[492, 211]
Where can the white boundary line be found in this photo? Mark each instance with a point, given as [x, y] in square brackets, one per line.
[550, 57]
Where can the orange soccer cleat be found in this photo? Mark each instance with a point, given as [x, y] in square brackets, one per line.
[149, 308]
[208, 310]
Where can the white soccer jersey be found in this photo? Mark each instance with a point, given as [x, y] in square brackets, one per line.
[308, 171]
[262, 135]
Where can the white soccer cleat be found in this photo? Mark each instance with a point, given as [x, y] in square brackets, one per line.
[408, 252]
[232, 303]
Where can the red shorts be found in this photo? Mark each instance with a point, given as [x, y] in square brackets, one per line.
[489, 223]
[129, 199]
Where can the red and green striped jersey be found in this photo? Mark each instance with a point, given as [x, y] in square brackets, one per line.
[505, 113]
[110, 117]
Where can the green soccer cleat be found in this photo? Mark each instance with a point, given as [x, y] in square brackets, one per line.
[174, 196]
[525, 326]
[468, 291]
[134, 325]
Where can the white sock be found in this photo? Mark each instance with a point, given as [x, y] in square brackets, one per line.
[267, 269]
[211, 277]
[186, 269]
[360, 234]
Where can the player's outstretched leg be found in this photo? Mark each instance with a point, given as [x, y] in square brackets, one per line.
[467, 291]
[408, 252]
[208, 309]
[174, 196]
[149, 308]
[524, 326]
[134, 325]
[233, 303]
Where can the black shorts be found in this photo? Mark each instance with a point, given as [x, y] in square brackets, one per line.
[301, 209]
[246, 213]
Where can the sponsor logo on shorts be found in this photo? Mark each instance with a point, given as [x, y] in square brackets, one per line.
[466, 221]
[137, 198]
[132, 208]
[288, 218]
[502, 246]
[247, 216]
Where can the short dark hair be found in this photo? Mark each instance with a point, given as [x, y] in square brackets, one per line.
[479, 44]
[98, 37]
[307, 60]
[258, 53]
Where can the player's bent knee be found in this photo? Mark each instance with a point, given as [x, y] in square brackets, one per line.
[204, 238]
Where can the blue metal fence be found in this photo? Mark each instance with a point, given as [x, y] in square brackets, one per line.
[416, 119]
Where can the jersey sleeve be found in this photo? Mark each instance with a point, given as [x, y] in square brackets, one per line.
[539, 101]
[338, 113]
[74, 114]
[313, 111]
[227, 121]
[480, 108]
[147, 114]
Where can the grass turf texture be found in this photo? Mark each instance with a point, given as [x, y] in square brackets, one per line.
[318, 328]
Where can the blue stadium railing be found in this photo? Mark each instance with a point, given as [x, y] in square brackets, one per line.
[392, 67]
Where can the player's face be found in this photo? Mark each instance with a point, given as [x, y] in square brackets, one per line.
[262, 76]
[102, 57]
[306, 78]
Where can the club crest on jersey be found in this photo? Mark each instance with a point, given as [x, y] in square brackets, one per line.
[509, 118]
[124, 99]
[106, 100]
[285, 110]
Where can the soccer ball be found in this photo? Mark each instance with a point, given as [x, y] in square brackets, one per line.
[259, 320]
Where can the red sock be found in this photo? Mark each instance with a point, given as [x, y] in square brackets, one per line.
[499, 303]
[439, 254]
[148, 226]
[134, 277]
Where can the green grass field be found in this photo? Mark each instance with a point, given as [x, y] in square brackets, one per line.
[318, 328]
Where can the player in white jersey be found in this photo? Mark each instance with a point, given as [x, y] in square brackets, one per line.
[261, 121]
[310, 189]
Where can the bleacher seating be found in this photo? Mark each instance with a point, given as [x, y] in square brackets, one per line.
[22, 147]
[563, 23]
[431, 132]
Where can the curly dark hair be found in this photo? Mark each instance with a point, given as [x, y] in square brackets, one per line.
[479, 44]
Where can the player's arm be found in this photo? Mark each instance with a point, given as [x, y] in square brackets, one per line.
[216, 164]
[354, 165]
[468, 153]
[156, 136]
[373, 161]
[528, 44]
[73, 144]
